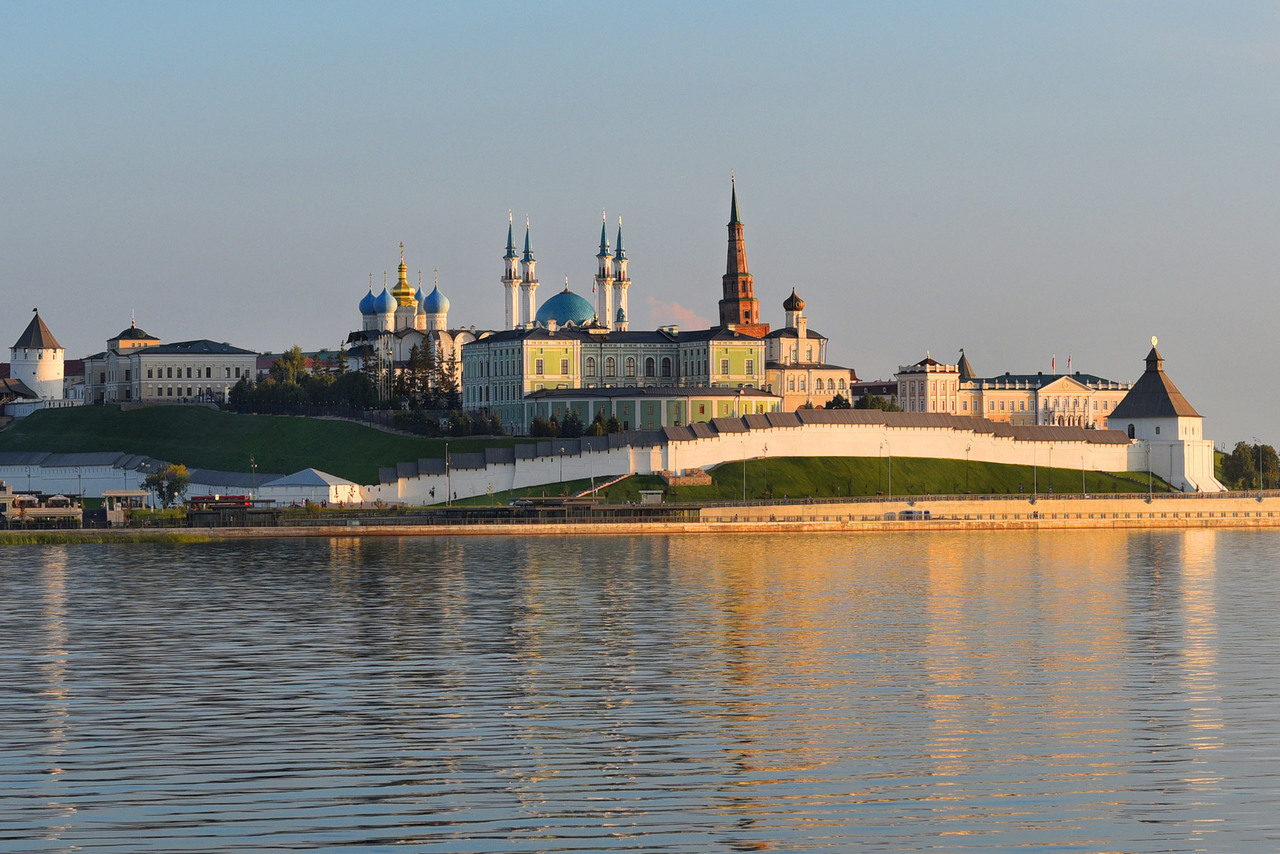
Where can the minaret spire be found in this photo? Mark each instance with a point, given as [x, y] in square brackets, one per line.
[604, 284]
[528, 308]
[515, 315]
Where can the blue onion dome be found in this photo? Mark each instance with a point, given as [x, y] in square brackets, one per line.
[419, 297]
[435, 302]
[384, 303]
[565, 308]
[368, 304]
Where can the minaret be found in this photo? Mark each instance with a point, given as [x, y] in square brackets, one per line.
[739, 309]
[604, 277]
[511, 279]
[621, 281]
[529, 283]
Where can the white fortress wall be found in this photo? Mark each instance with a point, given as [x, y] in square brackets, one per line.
[701, 446]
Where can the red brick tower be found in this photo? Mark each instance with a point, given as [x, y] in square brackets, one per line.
[739, 310]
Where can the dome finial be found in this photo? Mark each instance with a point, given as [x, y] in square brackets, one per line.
[401, 251]
[566, 283]
[437, 275]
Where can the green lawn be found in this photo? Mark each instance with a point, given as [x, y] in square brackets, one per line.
[203, 438]
[829, 477]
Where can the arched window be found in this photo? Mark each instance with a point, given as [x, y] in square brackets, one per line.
[842, 385]
[591, 366]
[631, 366]
[831, 384]
[1131, 432]
[650, 367]
[666, 366]
[610, 367]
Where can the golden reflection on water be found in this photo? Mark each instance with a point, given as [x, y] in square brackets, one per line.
[53, 669]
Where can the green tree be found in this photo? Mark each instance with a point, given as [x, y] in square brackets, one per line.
[291, 367]
[168, 484]
[875, 401]
[839, 402]
[613, 425]
[1240, 467]
[573, 427]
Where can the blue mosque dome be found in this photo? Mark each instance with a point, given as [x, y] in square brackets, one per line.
[368, 304]
[384, 303]
[564, 308]
[435, 302]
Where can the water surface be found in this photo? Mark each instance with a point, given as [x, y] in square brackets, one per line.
[969, 691]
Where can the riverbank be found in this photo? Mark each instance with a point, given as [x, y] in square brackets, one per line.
[915, 514]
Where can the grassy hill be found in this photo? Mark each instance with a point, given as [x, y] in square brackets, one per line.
[830, 477]
[204, 438]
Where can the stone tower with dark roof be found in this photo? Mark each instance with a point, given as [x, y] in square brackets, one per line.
[36, 359]
[739, 309]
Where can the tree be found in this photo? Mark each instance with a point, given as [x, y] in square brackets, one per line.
[291, 367]
[1239, 468]
[168, 484]
[839, 402]
[598, 426]
[573, 427]
[613, 425]
[875, 401]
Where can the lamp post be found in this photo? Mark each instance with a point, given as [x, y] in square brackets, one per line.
[1051, 467]
[448, 481]
[253, 467]
[1035, 473]
[1084, 489]
[889, 448]
[766, 468]
[562, 463]
[744, 471]
[1257, 444]
[967, 449]
[1148, 449]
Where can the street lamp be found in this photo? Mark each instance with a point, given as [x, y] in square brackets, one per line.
[1258, 445]
[744, 471]
[1084, 490]
[1035, 473]
[562, 463]
[967, 449]
[1148, 470]
[253, 466]
[889, 448]
[448, 481]
[1050, 467]
[766, 468]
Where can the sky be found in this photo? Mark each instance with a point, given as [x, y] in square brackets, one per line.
[1023, 180]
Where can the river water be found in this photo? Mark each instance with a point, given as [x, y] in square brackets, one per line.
[1044, 691]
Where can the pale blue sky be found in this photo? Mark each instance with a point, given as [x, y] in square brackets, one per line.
[1018, 179]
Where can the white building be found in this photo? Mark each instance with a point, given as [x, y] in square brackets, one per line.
[137, 367]
[1166, 432]
[36, 369]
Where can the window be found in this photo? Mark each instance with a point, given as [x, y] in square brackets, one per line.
[1022, 406]
[992, 406]
[537, 367]
[1157, 430]
[1002, 406]
[666, 366]
[228, 373]
[610, 367]
[170, 373]
[102, 377]
[842, 385]
[188, 373]
[751, 366]
[724, 366]
[591, 366]
[149, 373]
[238, 372]
[1105, 404]
[127, 375]
[631, 366]
[1131, 431]
[802, 383]
[650, 367]
[808, 354]
[964, 405]
[564, 367]
[791, 384]
[208, 373]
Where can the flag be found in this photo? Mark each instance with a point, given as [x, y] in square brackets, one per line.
[1068, 364]
[1054, 368]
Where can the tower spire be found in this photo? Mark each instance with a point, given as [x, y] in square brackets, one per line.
[604, 235]
[739, 309]
[511, 240]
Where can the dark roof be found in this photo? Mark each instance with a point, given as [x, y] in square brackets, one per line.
[1154, 395]
[203, 347]
[817, 366]
[11, 389]
[37, 337]
[645, 391]
[792, 332]
[133, 333]
[966, 369]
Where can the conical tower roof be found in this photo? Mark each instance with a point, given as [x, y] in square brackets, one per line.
[1154, 395]
[37, 337]
[966, 369]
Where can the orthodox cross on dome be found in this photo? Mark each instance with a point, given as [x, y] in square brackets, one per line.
[401, 251]
[436, 271]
